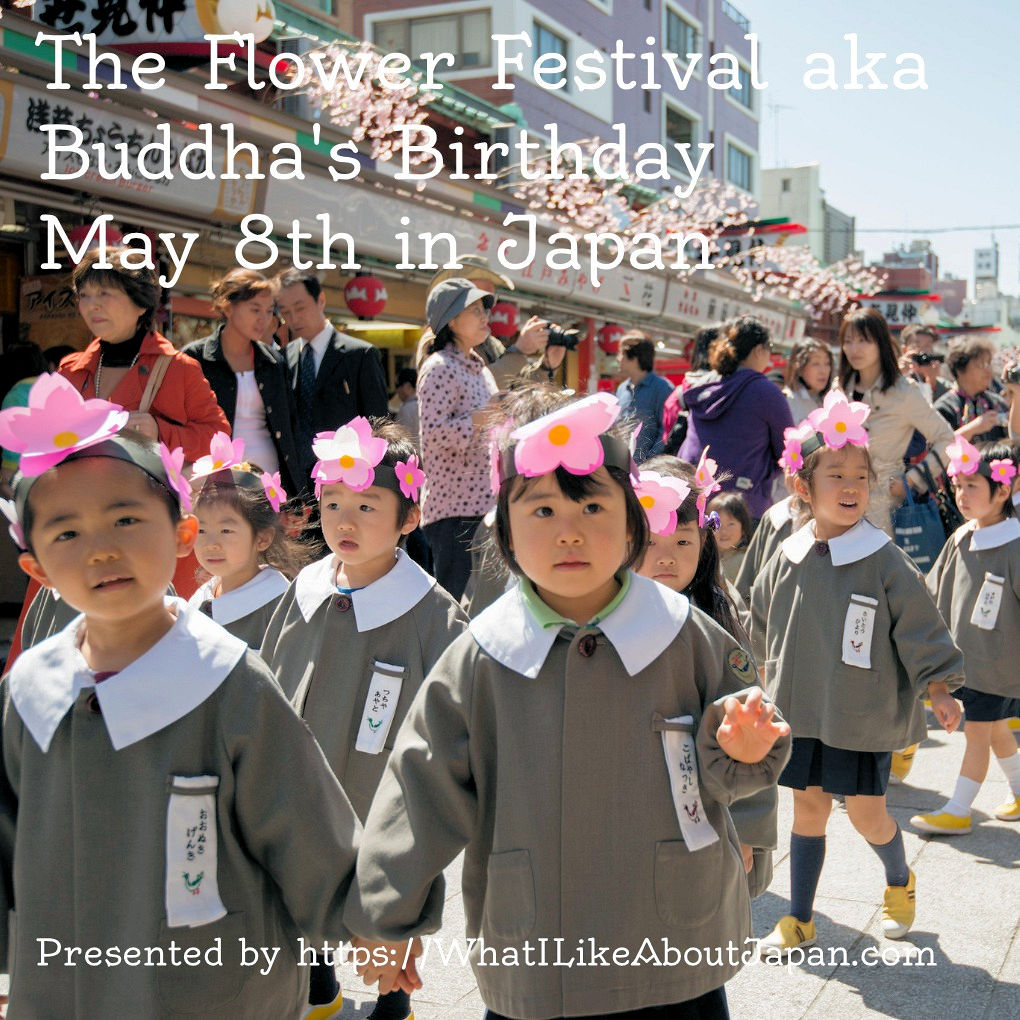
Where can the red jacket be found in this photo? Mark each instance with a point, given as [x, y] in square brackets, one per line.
[185, 407]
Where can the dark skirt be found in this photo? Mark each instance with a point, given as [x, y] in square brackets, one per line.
[710, 1006]
[836, 770]
[982, 707]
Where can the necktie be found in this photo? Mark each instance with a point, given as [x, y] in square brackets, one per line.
[306, 401]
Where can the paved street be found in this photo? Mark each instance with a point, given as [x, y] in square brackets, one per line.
[967, 933]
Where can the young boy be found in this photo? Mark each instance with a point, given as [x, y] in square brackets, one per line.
[358, 631]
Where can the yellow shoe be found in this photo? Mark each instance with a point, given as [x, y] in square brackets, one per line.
[942, 823]
[898, 908]
[901, 763]
[789, 934]
[1014, 723]
[1010, 811]
[326, 1010]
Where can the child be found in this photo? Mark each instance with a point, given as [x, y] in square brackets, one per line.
[851, 643]
[356, 633]
[734, 532]
[556, 742]
[682, 554]
[773, 529]
[159, 796]
[241, 541]
[976, 584]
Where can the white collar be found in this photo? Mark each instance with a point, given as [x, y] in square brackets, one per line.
[1016, 498]
[171, 679]
[781, 512]
[640, 628]
[319, 341]
[392, 596]
[266, 585]
[988, 538]
[860, 541]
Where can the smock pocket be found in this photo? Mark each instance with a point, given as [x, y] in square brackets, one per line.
[192, 893]
[214, 978]
[858, 630]
[380, 708]
[688, 886]
[509, 895]
[986, 609]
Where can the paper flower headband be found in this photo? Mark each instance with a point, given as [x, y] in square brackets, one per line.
[837, 423]
[224, 464]
[704, 478]
[571, 438]
[351, 455]
[965, 459]
[661, 496]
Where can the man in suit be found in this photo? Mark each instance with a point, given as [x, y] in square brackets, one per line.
[334, 376]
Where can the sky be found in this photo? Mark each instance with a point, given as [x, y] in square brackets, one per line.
[948, 156]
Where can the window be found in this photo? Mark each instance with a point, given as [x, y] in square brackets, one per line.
[786, 183]
[547, 41]
[680, 130]
[467, 36]
[738, 167]
[681, 35]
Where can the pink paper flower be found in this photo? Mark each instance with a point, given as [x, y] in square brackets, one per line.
[840, 421]
[964, 458]
[173, 462]
[793, 441]
[704, 478]
[1003, 471]
[56, 423]
[224, 453]
[274, 490]
[661, 496]
[567, 438]
[14, 529]
[496, 437]
[348, 455]
[410, 477]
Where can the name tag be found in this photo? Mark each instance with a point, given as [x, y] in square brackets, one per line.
[380, 707]
[986, 609]
[682, 765]
[858, 630]
[192, 896]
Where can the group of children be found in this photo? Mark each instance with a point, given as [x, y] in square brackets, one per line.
[293, 758]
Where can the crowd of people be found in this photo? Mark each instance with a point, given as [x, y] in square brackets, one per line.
[269, 679]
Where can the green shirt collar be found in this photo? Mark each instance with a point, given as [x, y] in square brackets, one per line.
[548, 617]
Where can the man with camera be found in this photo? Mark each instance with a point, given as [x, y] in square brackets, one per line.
[920, 362]
[642, 394]
[534, 356]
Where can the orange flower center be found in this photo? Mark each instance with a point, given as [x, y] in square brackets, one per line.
[559, 435]
[62, 440]
[346, 461]
[840, 426]
[647, 502]
[409, 478]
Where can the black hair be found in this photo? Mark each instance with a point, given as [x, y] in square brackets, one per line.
[407, 375]
[703, 340]
[444, 338]
[736, 341]
[307, 279]
[526, 405]
[999, 451]
[140, 283]
[871, 324]
[734, 504]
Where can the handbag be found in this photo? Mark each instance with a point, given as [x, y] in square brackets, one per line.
[941, 492]
[917, 529]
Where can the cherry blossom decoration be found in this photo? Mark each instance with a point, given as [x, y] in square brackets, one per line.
[56, 423]
[661, 496]
[173, 464]
[1003, 471]
[14, 529]
[348, 455]
[794, 439]
[840, 421]
[410, 476]
[964, 458]
[704, 479]
[274, 489]
[567, 438]
[224, 453]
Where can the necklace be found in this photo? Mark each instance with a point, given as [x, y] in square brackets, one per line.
[99, 370]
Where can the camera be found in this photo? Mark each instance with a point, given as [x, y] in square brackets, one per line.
[568, 338]
[924, 358]
[1011, 373]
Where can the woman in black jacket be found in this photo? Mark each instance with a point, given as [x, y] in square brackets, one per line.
[249, 377]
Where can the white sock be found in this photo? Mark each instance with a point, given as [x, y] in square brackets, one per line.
[1011, 770]
[963, 796]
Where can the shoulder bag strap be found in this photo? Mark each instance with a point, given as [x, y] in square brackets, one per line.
[159, 370]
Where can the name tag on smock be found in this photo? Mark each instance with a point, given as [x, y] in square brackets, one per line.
[380, 707]
[858, 630]
[192, 896]
[682, 765]
[986, 609]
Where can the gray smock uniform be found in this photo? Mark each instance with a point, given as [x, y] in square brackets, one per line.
[179, 803]
[548, 752]
[773, 529]
[976, 585]
[246, 611]
[850, 639]
[352, 664]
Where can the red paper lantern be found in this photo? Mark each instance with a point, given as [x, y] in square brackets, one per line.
[504, 319]
[609, 337]
[365, 296]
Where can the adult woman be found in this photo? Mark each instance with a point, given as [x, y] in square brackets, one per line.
[249, 377]
[739, 413]
[454, 389]
[808, 376]
[869, 371]
[971, 408]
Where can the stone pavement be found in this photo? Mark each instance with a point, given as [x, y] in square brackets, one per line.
[960, 961]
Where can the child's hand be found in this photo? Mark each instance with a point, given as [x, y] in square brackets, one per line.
[748, 854]
[409, 981]
[946, 709]
[380, 963]
[748, 731]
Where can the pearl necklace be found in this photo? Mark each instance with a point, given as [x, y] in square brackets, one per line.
[99, 370]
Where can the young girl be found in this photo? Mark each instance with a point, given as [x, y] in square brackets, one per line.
[976, 585]
[159, 796]
[851, 645]
[734, 532]
[556, 742]
[682, 554]
[241, 541]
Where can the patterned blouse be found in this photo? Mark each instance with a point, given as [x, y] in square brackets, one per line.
[451, 385]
